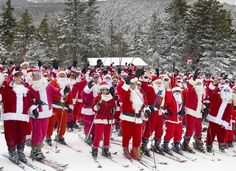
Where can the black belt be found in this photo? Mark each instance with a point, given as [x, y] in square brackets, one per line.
[136, 115]
[59, 103]
[88, 104]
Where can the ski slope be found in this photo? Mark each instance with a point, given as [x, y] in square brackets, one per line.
[82, 160]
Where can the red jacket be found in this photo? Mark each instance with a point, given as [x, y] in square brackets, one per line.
[104, 113]
[193, 103]
[58, 100]
[129, 111]
[45, 95]
[77, 90]
[16, 102]
[219, 113]
[172, 108]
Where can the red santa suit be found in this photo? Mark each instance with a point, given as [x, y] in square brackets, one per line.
[193, 107]
[104, 106]
[41, 90]
[221, 110]
[173, 121]
[155, 98]
[133, 103]
[59, 110]
[16, 102]
[88, 95]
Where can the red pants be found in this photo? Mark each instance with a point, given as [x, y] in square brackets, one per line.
[15, 132]
[88, 121]
[155, 123]
[229, 136]
[99, 131]
[173, 130]
[215, 130]
[77, 111]
[39, 130]
[131, 130]
[61, 119]
[193, 125]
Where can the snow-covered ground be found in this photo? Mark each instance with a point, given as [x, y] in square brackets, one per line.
[83, 160]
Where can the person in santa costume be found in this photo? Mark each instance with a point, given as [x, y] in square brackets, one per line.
[104, 107]
[174, 109]
[193, 105]
[221, 111]
[133, 104]
[16, 102]
[89, 93]
[42, 93]
[156, 93]
[62, 105]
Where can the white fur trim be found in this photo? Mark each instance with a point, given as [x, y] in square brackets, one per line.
[212, 87]
[71, 106]
[125, 87]
[103, 121]
[106, 97]
[218, 118]
[15, 116]
[174, 122]
[87, 111]
[95, 108]
[194, 113]
[44, 114]
[61, 72]
[80, 100]
[131, 119]
[32, 108]
[87, 90]
[24, 63]
[74, 101]
[192, 82]
[43, 96]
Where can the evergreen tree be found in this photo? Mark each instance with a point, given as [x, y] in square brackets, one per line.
[25, 33]
[7, 26]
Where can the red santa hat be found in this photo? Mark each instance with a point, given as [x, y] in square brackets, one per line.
[60, 71]
[24, 63]
[104, 85]
[108, 76]
[157, 80]
[1, 68]
[134, 80]
[17, 73]
[36, 72]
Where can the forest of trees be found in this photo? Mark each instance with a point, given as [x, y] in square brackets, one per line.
[202, 30]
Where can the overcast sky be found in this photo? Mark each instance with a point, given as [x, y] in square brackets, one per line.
[229, 1]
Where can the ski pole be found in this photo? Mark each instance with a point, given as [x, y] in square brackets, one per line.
[59, 126]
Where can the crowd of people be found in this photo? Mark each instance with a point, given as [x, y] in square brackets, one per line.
[138, 102]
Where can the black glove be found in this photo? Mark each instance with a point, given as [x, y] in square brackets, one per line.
[182, 112]
[234, 107]
[55, 64]
[17, 68]
[205, 112]
[75, 64]
[225, 77]
[90, 84]
[130, 73]
[115, 97]
[40, 63]
[69, 110]
[35, 113]
[139, 73]
[127, 81]
[66, 90]
[151, 108]
[119, 70]
[196, 74]
[84, 70]
[38, 102]
[147, 112]
[176, 73]
[157, 72]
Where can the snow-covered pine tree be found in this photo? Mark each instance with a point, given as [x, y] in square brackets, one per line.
[209, 29]
[7, 29]
[25, 33]
[93, 45]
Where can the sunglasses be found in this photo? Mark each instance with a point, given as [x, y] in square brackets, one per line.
[176, 91]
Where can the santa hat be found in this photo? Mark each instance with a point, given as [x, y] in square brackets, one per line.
[24, 63]
[176, 89]
[165, 77]
[17, 73]
[104, 85]
[60, 71]
[1, 68]
[134, 80]
[36, 72]
[156, 80]
[198, 80]
[108, 76]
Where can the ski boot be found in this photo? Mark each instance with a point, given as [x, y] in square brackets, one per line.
[157, 148]
[48, 140]
[198, 145]
[106, 152]
[144, 148]
[185, 145]
[21, 154]
[126, 153]
[165, 148]
[135, 153]
[13, 155]
[94, 152]
[177, 148]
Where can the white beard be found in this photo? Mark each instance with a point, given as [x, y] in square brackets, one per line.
[227, 97]
[178, 98]
[62, 82]
[166, 84]
[200, 90]
[20, 89]
[40, 84]
[96, 89]
[158, 88]
[2, 78]
[234, 99]
[106, 97]
[24, 71]
[72, 82]
[137, 103]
